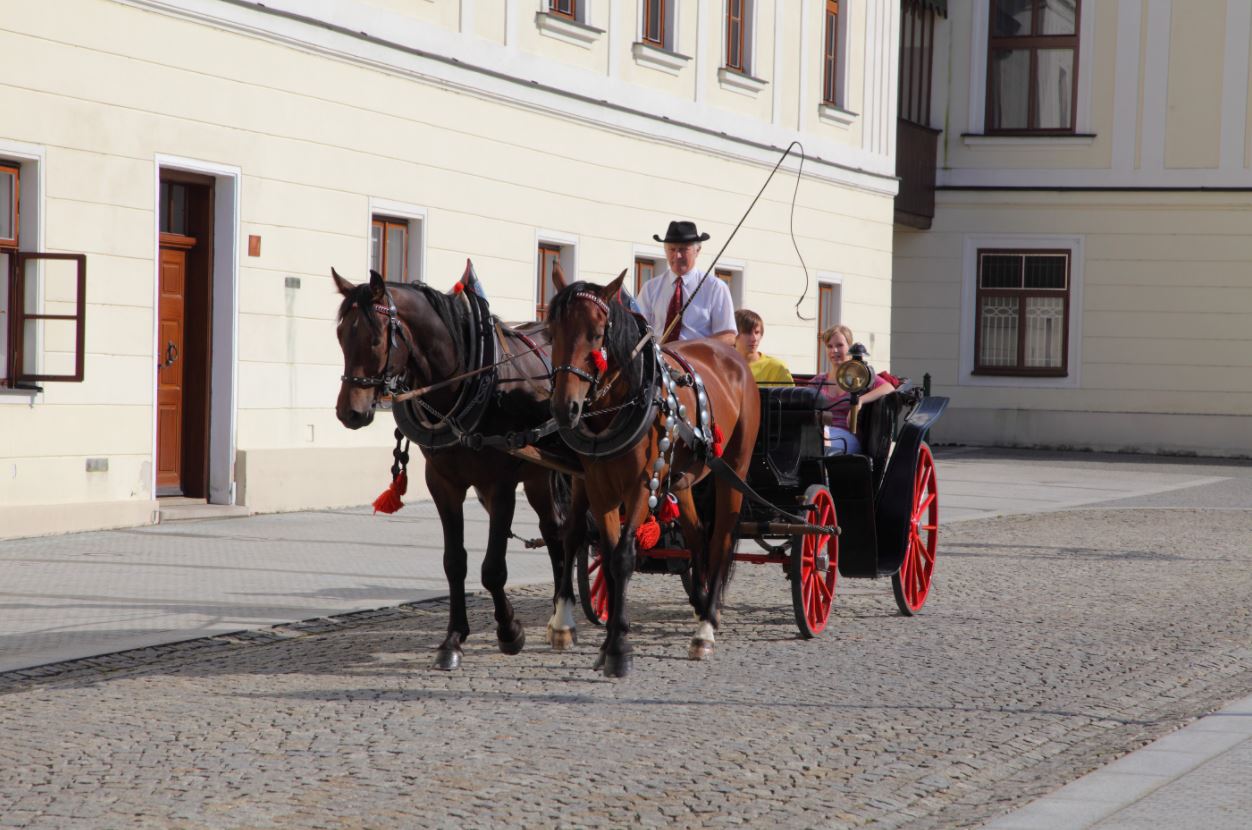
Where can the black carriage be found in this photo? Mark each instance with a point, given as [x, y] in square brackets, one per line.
[868, 514]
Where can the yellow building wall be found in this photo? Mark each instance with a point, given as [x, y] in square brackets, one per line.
[1164, 357]
[316, 137]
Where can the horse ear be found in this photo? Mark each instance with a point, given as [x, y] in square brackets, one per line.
[558, 275]
[377, 284]
[345, 288]
[614, 288]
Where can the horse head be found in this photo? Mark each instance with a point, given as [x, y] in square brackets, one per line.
[371, 348]
[580, 322]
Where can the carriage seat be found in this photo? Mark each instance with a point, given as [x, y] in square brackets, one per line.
[789, 434]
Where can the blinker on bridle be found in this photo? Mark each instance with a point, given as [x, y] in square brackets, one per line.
[594, 380]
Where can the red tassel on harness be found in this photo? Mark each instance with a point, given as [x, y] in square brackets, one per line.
[648, 534]
[717, 440]
[389, 501]
[458, 287]
[597, 357]
[668, 511]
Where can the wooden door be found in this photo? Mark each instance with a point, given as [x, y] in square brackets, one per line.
[171, 362]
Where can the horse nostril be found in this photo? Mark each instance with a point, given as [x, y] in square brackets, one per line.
[574, 408]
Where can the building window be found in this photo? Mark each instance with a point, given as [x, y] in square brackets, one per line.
[645, 269]
[829, 299]
[389, 248]
[564, 8]
[733, 277]
[830, 64]
[549, 253]
[43, 298]
[1032, 72]
[917, 45]
[656, 24]
[739, 35]
[1022, 313]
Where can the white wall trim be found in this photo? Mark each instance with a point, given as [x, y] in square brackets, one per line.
[1156, 87]
[802, 117]
[775, 104]
[465, 18]
[224, 335]
[1085, 58]
[969, 285]
[568, 243]
[401, 210]
[32, 198]
[1126, 84]
[979, 24]
[1235, 85]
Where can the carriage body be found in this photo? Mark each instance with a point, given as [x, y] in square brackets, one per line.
[883, 501]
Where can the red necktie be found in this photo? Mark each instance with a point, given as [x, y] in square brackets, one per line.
[673, 312]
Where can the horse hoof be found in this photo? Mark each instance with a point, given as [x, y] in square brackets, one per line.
[561, 639]
[515, 645]
[616, 665]
[599, 664]
[447, 659]
[699, 649]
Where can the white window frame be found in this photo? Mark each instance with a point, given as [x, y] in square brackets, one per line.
[969, 316]
[652, 252]
[739, 270]
[749, 37]
[670, 23]
[31, 160]
[416, 217]
[568, 243]
[836, 280]
[980, 22]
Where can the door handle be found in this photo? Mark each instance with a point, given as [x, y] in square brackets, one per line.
[171, 355]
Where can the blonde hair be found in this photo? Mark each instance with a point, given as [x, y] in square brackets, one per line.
[839, 329]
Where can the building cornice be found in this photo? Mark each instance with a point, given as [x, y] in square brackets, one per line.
[507, 75]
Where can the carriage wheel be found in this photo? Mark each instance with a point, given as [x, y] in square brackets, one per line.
[812, 587]
[593, 590]
[911, 583]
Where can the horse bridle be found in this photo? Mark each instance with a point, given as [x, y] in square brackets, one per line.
[385, 379]
[594, 380]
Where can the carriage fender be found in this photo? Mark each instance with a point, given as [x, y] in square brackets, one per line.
[895, 495]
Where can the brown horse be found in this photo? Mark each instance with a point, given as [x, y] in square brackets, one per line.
[599, 375]
[402, 335]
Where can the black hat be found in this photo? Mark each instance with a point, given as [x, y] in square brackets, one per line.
[681, 233]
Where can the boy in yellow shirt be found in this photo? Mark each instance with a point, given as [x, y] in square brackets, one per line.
[768, 371]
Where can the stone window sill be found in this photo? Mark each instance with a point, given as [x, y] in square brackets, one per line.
[739, 82]
[566, 30]
[663, 60]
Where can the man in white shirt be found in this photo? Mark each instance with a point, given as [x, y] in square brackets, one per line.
[710, 314]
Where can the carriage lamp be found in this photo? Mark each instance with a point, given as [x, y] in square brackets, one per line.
[854, 376]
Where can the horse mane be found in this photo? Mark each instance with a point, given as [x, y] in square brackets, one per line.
[454, 314]
[624, 331]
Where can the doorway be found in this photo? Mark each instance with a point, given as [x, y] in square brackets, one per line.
[184, 327]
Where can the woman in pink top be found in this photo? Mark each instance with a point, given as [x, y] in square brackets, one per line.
[837, 404]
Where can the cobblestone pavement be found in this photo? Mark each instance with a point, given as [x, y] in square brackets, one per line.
[1033, 662]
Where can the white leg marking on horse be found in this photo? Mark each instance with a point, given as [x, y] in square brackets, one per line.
[704, 631]
[563, 616]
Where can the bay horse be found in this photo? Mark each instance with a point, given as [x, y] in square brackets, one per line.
[598, 374]
[397, 336]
